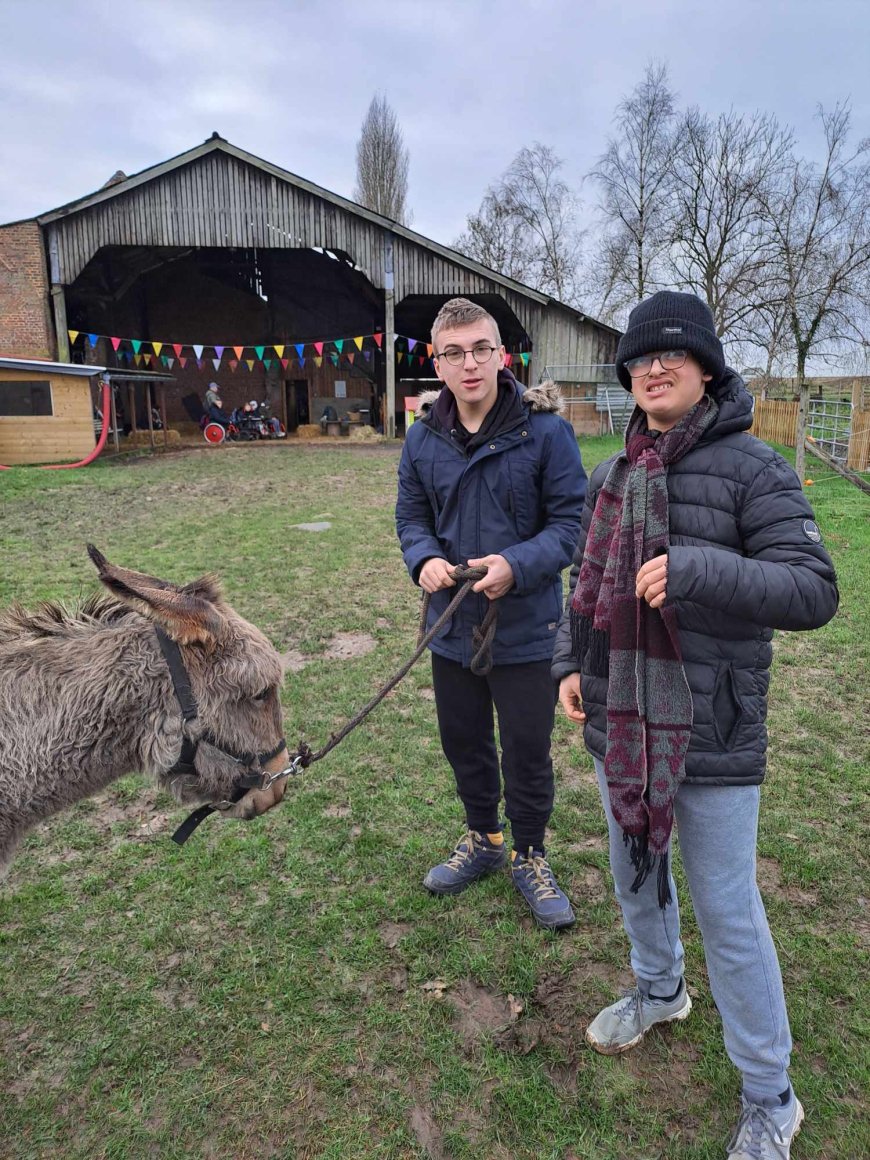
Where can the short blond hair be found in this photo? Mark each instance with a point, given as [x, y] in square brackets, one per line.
[461, 312]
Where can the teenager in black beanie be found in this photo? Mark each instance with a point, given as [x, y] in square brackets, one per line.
[697, 542]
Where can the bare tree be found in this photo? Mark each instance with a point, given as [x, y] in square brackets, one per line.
[819, 220]
[527, 226]
[382, 163]
[497, 238]
[718, 246]
[635, 174]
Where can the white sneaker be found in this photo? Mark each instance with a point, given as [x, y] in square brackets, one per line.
[765, 1133]
[624, 1023]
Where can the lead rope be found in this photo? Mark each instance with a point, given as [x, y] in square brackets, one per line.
[481, 661]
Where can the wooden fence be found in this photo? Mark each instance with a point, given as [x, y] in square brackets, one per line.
[859, 443]
[775, 421]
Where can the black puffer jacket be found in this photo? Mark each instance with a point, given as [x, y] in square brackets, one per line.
[745, 558]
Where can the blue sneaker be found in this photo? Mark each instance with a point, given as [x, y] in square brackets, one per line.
[536, 882]
[473, 857]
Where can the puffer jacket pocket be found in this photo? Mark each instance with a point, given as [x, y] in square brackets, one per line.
[727, 706]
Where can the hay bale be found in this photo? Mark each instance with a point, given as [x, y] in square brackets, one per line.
[143, 439]
[365, 434]
[308, 431]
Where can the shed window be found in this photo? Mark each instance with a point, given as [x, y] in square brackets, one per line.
[30, 397]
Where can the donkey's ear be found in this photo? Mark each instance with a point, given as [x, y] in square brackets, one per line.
[188, 615]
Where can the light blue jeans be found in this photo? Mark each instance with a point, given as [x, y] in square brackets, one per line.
[717, 828]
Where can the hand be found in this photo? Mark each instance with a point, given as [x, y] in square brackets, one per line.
[498, 580]
[436, 574]
[652, 580]
[572, 701]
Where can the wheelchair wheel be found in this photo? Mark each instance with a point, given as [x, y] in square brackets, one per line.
[214, 433]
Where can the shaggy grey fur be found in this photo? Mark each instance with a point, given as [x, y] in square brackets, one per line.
[86, 697]
[545, 397]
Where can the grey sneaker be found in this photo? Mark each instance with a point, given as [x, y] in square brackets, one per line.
[473, 857]
[765, 1133]
[624, 1023]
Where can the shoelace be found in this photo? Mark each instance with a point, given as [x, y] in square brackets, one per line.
[537, 868]
[464, 850]
[760, 1126]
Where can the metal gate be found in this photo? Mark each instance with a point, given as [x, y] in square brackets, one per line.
[829, 423]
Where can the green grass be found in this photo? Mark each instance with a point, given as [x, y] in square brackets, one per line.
[286, 988]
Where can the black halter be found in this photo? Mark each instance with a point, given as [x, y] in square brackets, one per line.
[252, 763]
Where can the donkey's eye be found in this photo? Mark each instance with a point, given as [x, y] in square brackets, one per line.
[263, 696]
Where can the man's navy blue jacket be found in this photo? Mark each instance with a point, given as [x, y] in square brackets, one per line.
[519, 495]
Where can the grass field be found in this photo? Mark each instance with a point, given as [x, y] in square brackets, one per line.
[286, 988]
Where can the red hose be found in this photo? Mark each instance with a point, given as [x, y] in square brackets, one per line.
[101, 442]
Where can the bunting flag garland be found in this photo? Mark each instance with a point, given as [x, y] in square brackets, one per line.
[150, 352]
[508, 359]
[525, 358]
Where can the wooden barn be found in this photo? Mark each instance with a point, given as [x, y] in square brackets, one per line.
[222, 267]
[46, 411]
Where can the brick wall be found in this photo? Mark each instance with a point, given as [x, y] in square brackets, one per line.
[25, 321]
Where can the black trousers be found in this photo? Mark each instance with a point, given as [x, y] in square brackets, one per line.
[524, 699]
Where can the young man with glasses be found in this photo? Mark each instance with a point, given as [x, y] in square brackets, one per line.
[697, 543]
[491, 475]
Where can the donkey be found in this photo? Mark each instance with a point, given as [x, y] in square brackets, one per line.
[153, 678]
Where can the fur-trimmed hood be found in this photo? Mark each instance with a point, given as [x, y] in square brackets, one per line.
[545, 398]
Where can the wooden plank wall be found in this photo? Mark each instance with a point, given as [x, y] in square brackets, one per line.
[859, 443]
[64, 437]
[775, 421]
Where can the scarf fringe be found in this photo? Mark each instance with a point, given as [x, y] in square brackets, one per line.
[645, 863]
[590, 646]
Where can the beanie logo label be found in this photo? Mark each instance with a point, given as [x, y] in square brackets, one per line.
[672, 330]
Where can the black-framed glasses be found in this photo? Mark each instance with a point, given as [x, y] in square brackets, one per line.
[669, 360]
[482, 352]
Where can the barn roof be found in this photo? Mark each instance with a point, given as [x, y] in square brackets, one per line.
[44, 365]
[122, 185]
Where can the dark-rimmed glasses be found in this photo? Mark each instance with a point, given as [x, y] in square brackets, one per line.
[482, 352]
[669, 360]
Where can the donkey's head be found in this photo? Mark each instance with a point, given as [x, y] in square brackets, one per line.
[234, 675]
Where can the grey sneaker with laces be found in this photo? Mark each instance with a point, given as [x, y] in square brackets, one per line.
[537, 883]
[624, 1023]
[764, 1133]
[473, 857]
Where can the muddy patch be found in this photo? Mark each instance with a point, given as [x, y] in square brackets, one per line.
[345, 645]
[770, 881]
[427, 1133]
[294, 661]
[392, 933]
[480, 1011]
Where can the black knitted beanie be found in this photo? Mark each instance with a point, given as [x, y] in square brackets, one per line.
[671, 321]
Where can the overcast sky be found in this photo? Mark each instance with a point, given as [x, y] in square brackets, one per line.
[89, 87]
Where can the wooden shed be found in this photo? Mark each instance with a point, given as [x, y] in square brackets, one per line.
[46, 411]
[216, 260]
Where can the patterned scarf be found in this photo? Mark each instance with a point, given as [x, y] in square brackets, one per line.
[649, 706]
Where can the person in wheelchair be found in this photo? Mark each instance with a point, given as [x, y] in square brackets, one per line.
[214, 406]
